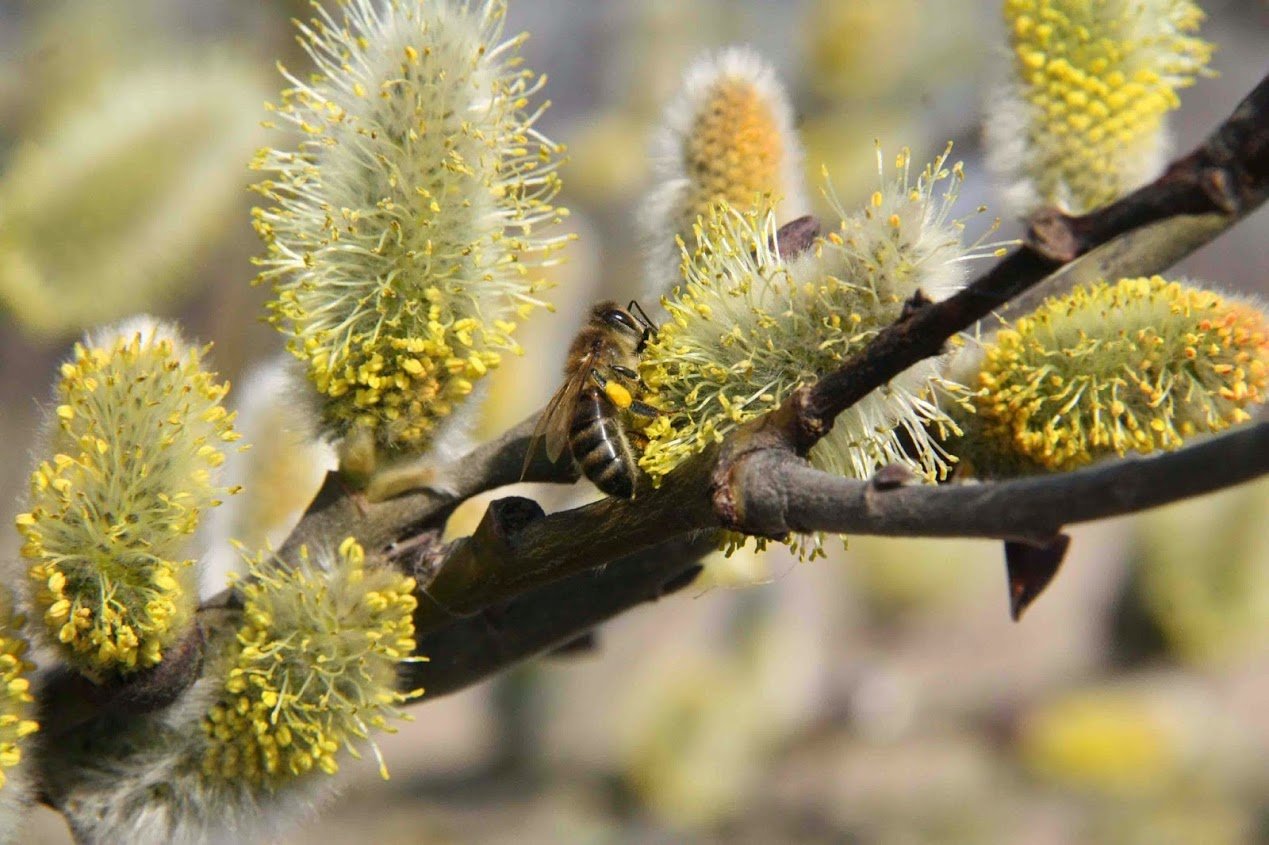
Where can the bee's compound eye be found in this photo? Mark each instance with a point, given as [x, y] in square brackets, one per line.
[617, 317]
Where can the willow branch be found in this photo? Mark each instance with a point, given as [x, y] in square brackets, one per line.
[517, 549]
[780, 493]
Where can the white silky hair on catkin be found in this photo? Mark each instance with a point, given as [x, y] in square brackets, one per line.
[271, 389]
[158, 794]
[150, 329]
[1010, 155]
[1005, 141]
[671, 182]
[15, 799]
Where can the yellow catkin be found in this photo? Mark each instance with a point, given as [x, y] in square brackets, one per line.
[1093, 80]
[727, 137]
[130, 468]
[15, 689]
[1116, 741]
[733, 152]
[107, 210]
[750, 325]
[404, 231]
[1134, 366]
[313, 667]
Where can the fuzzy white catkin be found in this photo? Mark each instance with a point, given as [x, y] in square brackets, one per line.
[728, 135]
[404, 233]
[1082, 118]
[750, 325]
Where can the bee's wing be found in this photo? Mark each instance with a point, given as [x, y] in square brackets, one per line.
[555, 419]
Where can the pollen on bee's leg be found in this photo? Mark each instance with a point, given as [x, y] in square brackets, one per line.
[618, 394]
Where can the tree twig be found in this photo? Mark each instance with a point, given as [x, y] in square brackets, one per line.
[337, 511]
[780, 494]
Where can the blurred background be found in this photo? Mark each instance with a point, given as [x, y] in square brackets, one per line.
[881, 695]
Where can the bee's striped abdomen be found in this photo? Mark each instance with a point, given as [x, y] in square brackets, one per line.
[599, 446]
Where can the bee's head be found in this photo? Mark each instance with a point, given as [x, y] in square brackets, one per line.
[611, 315]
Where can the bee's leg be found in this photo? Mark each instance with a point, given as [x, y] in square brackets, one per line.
[643, 409]
[629, 375]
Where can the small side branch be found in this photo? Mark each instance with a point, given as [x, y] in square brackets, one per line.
[338, 512]
[516, 548]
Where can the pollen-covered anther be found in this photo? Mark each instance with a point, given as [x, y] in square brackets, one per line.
[313, 668]
[1111, 369]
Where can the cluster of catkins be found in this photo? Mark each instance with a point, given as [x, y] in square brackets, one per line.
[135, 443]
[1122, 365]
[403, 236]
[418, 129]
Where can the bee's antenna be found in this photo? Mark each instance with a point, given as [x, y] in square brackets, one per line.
[637, 309]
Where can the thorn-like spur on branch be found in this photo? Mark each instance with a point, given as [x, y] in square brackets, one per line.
[1030, 569]
[1228, 176]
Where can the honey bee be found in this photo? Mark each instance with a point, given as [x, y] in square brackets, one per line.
[590, 413]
